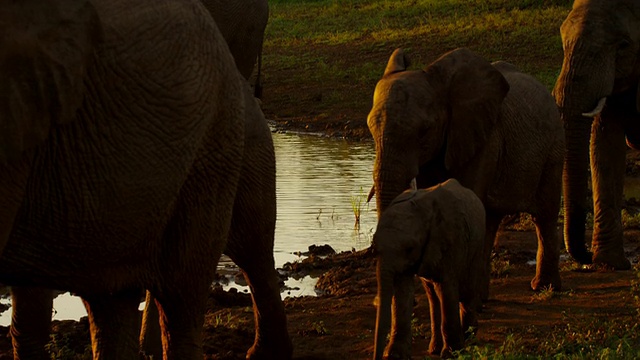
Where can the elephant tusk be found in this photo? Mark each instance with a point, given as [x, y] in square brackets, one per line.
[371, 193]
[414, 184]
[598, 108]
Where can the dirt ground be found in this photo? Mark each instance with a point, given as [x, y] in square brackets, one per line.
[340, 323]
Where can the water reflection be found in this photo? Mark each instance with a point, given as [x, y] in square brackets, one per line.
[317, 180]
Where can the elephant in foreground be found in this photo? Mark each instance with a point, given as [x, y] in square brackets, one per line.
[493, 128]
[437, 234]
[242, 24]
[597, 93]
[250, 245]
[119, 174]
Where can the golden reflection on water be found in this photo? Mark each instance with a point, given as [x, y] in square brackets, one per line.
[318, 182]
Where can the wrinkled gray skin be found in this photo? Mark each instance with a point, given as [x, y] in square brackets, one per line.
[242, 24]
[601, 41]
[243, 21]
[250, 245]
[118, 173]
[492, 127]
[437, 234]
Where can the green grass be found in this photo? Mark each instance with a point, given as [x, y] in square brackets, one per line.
[339, 48]
[356, 205]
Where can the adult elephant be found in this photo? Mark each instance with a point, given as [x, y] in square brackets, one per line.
[239, 22]
[118, 173]
[493, 128]
[601, 40]
[242, 24]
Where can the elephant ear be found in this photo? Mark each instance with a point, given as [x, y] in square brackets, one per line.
[45, 50]
[397, 62]
[475, 91]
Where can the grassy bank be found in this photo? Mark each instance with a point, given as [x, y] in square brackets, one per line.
[322, 58]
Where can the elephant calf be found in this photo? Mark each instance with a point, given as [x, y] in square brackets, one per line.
[436, 233]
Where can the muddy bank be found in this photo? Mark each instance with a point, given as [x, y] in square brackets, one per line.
[339, 323]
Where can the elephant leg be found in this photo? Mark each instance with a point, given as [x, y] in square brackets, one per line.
[150, 333]
[271, 337]
[492, 224]
[546, 221]
[469, 304]
[607, 171]
[400, 342]
[182, 319]
[548, 255]
[30, 321]
[435, 346]
[114, 321]
[452, 335]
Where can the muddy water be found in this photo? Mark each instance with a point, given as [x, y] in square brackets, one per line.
[319, 181]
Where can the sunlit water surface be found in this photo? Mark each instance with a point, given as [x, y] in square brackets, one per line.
[319, 181]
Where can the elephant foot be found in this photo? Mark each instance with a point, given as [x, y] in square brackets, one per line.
[580, 254]
[541, 282]
[613, 259]
[446, 353]
[435, 347]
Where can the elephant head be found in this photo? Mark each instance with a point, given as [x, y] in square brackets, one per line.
[435, 119]
[45, 50]
[601, 41]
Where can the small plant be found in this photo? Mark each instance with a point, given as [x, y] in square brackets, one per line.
[630, 221]
[522, 222]
[319, 328]
[543, 295]
[220, 320]
[356, 205]
[60, 347]
[635, 288]
[500, 268]
[420, 329]
[571, 265]
[548, 293]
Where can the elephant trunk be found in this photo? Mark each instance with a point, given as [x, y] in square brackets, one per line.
[579, 93]
[383, 320]
[391, 178]
[575, 180]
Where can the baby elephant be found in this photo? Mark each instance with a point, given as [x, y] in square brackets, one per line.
[436, 233]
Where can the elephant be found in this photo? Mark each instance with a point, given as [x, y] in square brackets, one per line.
[118, 173]
[438, 235]
[242, 24]
[239, 22]
[250, 245]
[493, 128]
[601, 41]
